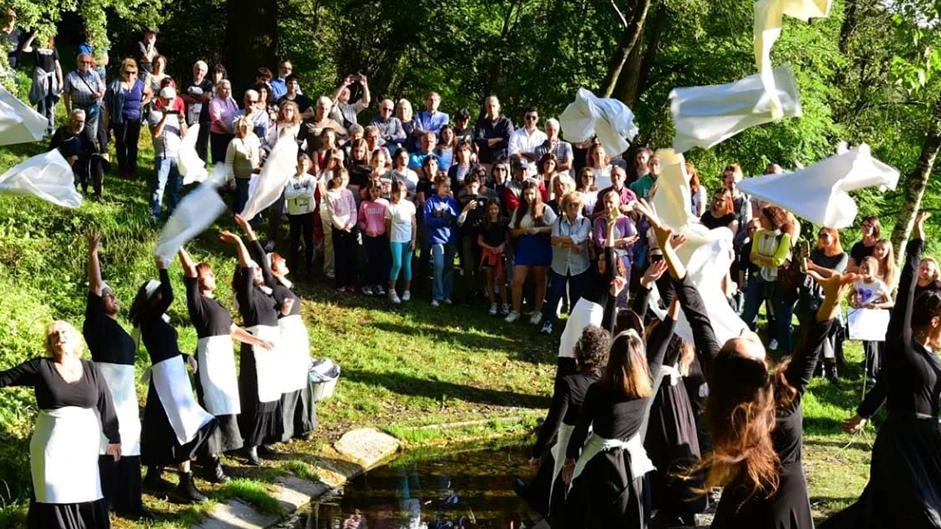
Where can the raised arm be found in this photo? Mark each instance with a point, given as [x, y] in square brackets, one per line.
[189, 267]
[659, 340]
[166, 289]
[245, 260]
[94, 267]
[257, 251]
[900, 321]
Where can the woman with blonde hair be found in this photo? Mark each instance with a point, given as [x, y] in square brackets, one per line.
[884, 254]
[242, 159]
[124, 101]
[71, 394]
[405, 114]
[600, 164]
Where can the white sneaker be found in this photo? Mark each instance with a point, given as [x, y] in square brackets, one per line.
[379, 291]
[367, 291]
[773, 345]
[406, 296]
[394, 298]
[535, 318]
[511, 317]
[435, 303]
[447, 301]
[493, 309]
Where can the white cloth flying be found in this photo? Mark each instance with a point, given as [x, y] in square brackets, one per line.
[608, 119]
[196, 212]
[192, 167]
[267, 187]
[18, 122]
[47, 176]
[820, 193]
[707, 115]
[769, 17]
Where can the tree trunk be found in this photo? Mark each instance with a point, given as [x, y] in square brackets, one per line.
[916, 183]
[633, 80]
[633, 29]
[251, 41]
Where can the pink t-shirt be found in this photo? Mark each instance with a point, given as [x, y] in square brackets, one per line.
[372, 217]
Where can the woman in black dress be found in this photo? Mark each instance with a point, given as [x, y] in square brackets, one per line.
[904, 487]
[260, 369]
[298, 411]
[64, 446]
[114, 352]
[174, 427]
[754, 414]
[218, 383]
[721, 212]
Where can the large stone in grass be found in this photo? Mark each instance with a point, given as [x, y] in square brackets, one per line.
[236, 514]
[367, 446]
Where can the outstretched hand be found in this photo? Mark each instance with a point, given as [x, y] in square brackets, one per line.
[919, 231]
[227, 236]
[836, 285]
[653, 273]
[855, 424]
[93, 239]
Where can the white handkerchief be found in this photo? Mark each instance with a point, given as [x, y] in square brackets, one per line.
[19, 123]
[192, 167]
[47, 176]
[268, 186]
[769, 17]
[820, 193]
[196, 212]
[608, 119]
[706, 115]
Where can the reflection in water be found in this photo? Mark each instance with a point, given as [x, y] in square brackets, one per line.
[452, 491]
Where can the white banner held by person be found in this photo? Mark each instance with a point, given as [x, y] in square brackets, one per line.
[47, 176]
[868, 324]
[769, 17]
[607, 118]
[267, 187]
[704, 116]
[19, 123]
[820, 193]
[192, 167]
[196, 212]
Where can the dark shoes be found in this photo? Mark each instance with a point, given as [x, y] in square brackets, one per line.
[155, 483]
[186, 491]
[214, 472]
[267, 452]
[251, 456]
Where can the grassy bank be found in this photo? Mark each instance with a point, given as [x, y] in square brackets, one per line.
[429, 376]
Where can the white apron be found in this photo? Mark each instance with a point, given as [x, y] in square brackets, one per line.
[583, 314]
[295, 346]
[268, 364]
[63, 455]
[558, 451]
[217, 375]
[640, 463]
[176, 395]
[120, 379]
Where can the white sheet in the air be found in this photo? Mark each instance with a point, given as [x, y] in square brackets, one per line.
[192, 167]
[607, 118]
[820, 193]
[704, 116]
[19, 123]
[47, 176]
[196, 212]
[267, 187]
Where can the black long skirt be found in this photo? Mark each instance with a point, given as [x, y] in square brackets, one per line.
[260, 422]
[672, 444]
[904, 488]
[87, 515]
[159, 445]
[608, 496]
[121, 483]
[227, 436]
[298, 413]
[788, 508]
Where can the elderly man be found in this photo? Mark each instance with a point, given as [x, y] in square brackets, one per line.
[416, 160]
[553, 144]
[430, 119]
[492, 133]
[345, 112]
[167, 127]
[525, 141]
[81, 151]
[390, 127]
[279, 84]
[83, 90]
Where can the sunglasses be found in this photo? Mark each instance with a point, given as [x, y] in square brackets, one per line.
[130, 72]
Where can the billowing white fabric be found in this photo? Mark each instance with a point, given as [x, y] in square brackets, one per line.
[196, 212]
[19, 123]
[868, 324]
[769, 17]
[295, 347]
[192, 167]
[63, 456]
[583, 314]
[218, 375]
[268, 364]
[707, 115]
[120, 379]
[607, 118]
[706, 253]
[267, 187]
[640, 463]
[173, 387]
[47, 176]
[820, 193]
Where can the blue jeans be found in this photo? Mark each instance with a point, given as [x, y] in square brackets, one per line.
[755, 294]
[557, 284]
[783, 307]
[442, 286]
[166, 177]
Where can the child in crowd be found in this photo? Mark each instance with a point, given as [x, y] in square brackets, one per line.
[440, 215]
[473, 204]
[372, 222]
[342, 209]
[492, 239]
[379, 176]
[324, 171]
[401, 225]
[301, 202]
[870, 292]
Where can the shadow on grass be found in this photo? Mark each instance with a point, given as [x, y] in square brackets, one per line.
[439, 390]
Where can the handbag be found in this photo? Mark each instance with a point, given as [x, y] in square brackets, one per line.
[790, 275]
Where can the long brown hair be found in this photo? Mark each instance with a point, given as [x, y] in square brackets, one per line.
[535, 210]
[627, 372]
[887, 263]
